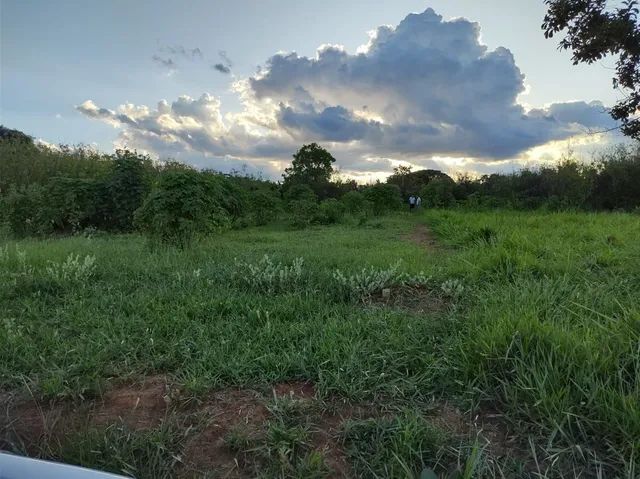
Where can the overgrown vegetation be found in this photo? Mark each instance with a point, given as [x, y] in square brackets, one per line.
[46, 191]
[534, 299]
[528, 319]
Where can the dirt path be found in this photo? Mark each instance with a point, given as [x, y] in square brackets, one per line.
[423, 236]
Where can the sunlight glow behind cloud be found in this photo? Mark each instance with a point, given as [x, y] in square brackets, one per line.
[426, 92]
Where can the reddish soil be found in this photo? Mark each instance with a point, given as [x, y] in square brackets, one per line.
[222, 412]
[207, 421]
[139, 406]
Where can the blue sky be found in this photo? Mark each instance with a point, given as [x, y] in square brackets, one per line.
[428, 90]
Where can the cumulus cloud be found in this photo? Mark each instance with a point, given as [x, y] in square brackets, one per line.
[431, 86]
[425, 88]
[188, 127]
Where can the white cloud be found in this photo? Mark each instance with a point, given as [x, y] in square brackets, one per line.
[426, 88]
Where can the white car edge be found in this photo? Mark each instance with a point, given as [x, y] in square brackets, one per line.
[20, 467]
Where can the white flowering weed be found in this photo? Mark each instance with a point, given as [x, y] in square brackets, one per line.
[73, 269]
[362, 284]
[269, 277]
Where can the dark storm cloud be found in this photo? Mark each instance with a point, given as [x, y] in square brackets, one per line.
[333, 123]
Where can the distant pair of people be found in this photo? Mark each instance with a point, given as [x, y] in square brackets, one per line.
[414, 202]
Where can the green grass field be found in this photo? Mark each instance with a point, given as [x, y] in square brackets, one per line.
[508, 347]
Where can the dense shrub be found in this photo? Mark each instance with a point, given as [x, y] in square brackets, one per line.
[355, 202]
[8, 134]
[608, 184]
[383, 197]
[329, 212]
[299, 192]
[181, 207]
[22, 210]
[264, 206]
[62, 189]
[73, 204]
[126, 187]
[438, 193]
[303, 212]
[615, 185]
[22, 164]
[411, 182]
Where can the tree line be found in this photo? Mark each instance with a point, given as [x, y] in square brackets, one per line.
[63, 190]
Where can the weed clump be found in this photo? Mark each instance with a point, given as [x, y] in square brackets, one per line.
[73, 269]
[284, 448]
[484, 236]
[402, 446]
[267, 276]
[366, 282]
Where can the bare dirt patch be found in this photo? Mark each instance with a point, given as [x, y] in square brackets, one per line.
[139, 406]
[423, 236]
[222, 412]
[326, 441]
[25, 422]
[208, 422]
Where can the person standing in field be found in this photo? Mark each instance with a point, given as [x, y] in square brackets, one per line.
[412, 202]
[418, 202]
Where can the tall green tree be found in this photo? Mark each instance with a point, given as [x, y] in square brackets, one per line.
[594, 31]
[312, 165]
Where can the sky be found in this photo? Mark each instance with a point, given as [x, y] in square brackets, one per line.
[457, 85]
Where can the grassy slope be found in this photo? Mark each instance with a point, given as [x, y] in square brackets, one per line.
[547, 329]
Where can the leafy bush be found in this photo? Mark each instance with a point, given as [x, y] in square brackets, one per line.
[73, 203]
[355, 202]
[329, 212]
[265, 276]
[22, 210]
[299, 192]
[23, 164]
[126, 187]
[615, 185]
[452, 288]
[265, 207]
[383, 197]
[439, 192]
[303, 213]
[181, 207]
